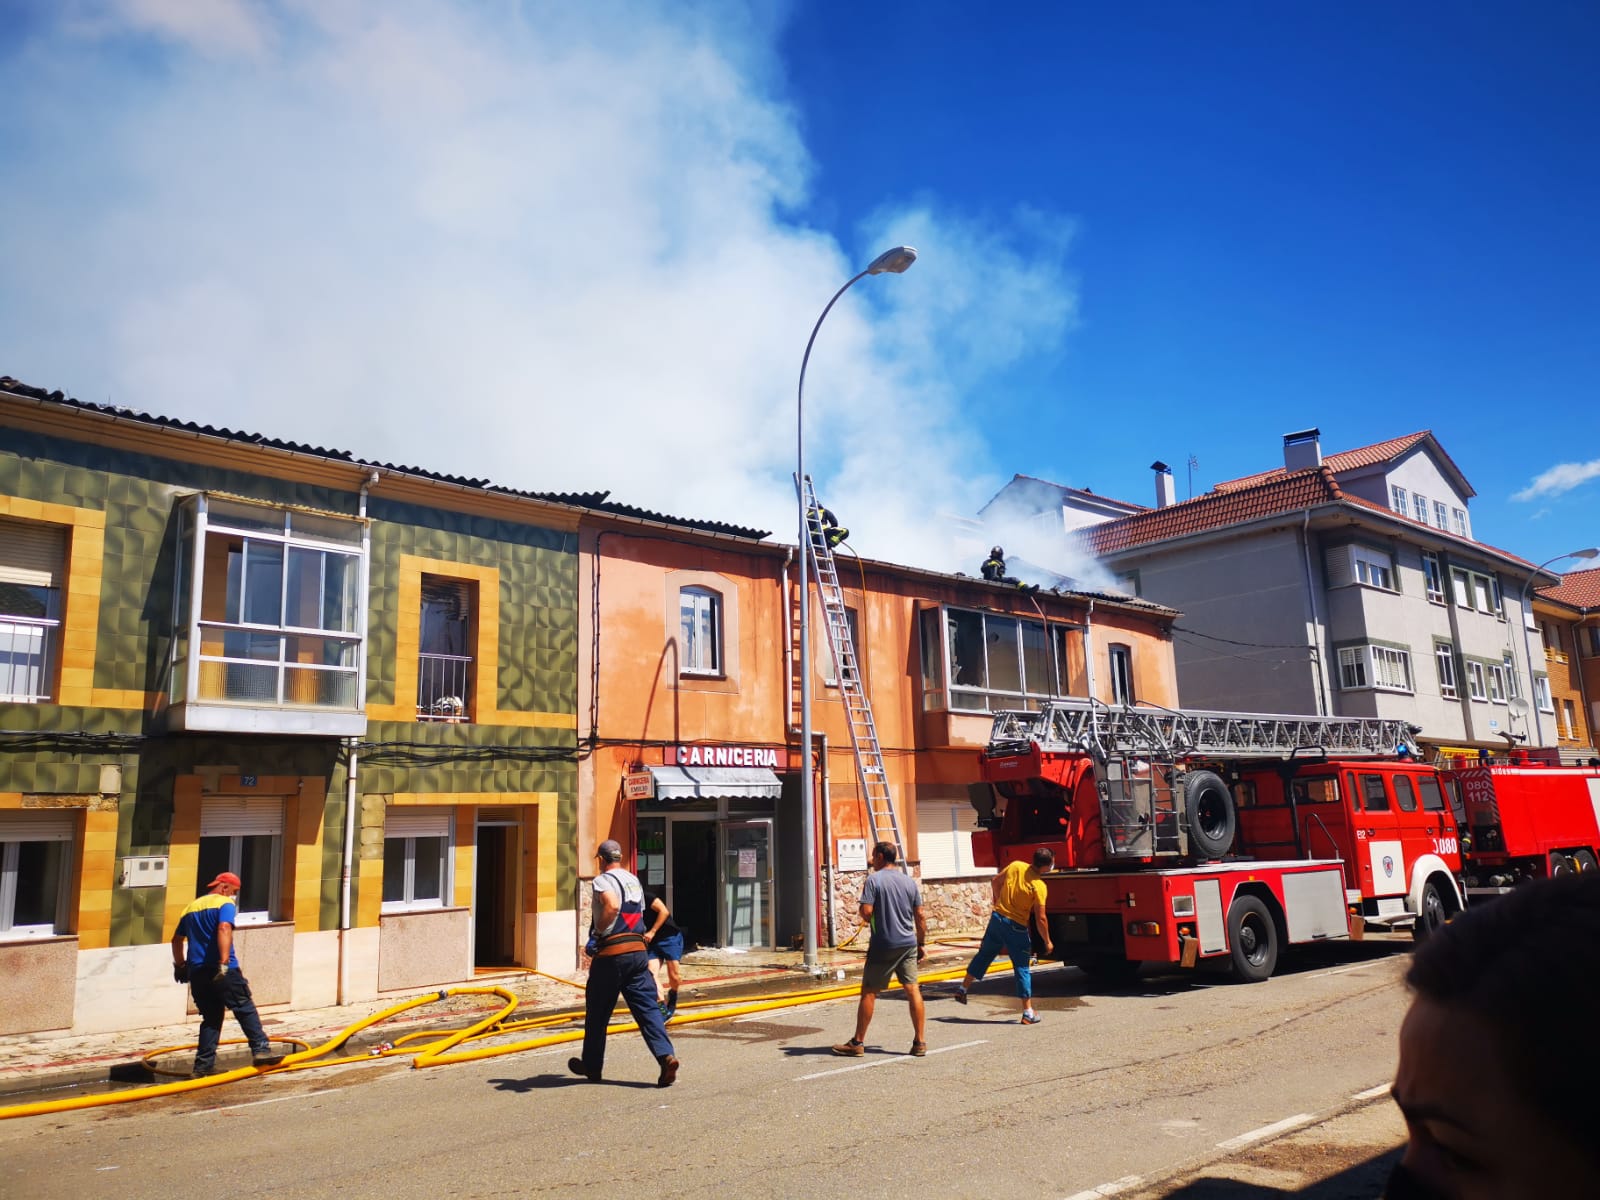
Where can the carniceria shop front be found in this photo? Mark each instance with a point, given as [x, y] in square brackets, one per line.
[719, 834]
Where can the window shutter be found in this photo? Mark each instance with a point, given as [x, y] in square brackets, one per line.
[35, 825]
[32, 553]
[416, 822]
[240, 816]
[1341, 566]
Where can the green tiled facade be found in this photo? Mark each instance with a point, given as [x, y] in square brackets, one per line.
[538, 663]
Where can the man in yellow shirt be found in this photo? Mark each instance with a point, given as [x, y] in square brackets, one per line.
[1019, 895]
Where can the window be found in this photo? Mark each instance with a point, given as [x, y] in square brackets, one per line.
[1569, 720]
[1121, 674]
[34, 870]
[1486, 593]
[281, 612]
[1382, 667]
[1461, 587]
[1432, 798]
[1477, 688]
[445, 638]
[1552, 637]
[944, 838]
[1541, 693]
[32, 571]
[852, 620]
[416, 858]
[1441, 519]
[1373, 569]
[1444, 657]
[1497, 683]
[1461, 521]
[1405, 795]
[1374, 796]
[700, 631]
[1317, 790]
[244, 835]
[1397, 498]
[1513, 688]
[1420, 506]
[1434, 577]
[983, 662]
[1594, 641]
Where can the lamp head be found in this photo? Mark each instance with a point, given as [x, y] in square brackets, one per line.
[895, 261]
[1586, 552]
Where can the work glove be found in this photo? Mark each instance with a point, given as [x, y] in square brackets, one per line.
[180, 972]
[222, 973]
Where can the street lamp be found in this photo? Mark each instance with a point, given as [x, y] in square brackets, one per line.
[893, 262]
[1527, 646]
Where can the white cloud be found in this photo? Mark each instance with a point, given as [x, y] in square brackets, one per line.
[1562, 477]
[550, 245]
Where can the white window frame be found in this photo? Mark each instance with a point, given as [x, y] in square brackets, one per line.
[1497, 683]
[236, 818]
[1541, 693]
[1461, 587]
[36, 560]
[51, 827]
[1477, 682]
[410, 826]
[1373, 569]
[944, 839]
[1119, 659]
[1441, 516]
[1419, 507]
[1513, 688]
[1462, 528]
[1397, 499]
[696, 650]
[1486, 594]
[1569, 720]
[940, 689]
[1392, 670]
[1444, 660]
[1433, 580]
[1354, 672]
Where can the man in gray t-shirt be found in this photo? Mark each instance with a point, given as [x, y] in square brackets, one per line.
[892, 905]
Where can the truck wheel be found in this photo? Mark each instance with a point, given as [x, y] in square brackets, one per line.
[1209, 807]
[1584, 860]
[1431, 913]
[1560, 864]
[1252, 939]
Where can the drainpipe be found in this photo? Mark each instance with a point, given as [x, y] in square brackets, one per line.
[788, 644]
[348, 857]
[1316, 619]
[1088, 649]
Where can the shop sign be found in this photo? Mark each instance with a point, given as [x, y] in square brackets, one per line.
[722, 756]
[640, 786]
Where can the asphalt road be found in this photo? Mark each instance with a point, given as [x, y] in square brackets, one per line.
[1112, 1093]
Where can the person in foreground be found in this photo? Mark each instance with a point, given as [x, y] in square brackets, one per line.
[1019, 898]
[1498, 1058]
[891, 905]
[618, 965]
[204, 958]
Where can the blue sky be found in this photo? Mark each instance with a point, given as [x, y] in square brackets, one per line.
[582, 246]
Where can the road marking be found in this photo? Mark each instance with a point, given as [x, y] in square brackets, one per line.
[1266, 1131]
[888, 1061]
[252, 1103]
[1373, 1093]
[1107, 1189]
[1340, 970]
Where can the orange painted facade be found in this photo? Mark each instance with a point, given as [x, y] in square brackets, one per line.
[650, 692]
[1574, 673]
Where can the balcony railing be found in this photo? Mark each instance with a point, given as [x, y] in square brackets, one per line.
[443, 687]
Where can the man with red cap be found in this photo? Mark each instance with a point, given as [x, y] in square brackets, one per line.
[211, 969]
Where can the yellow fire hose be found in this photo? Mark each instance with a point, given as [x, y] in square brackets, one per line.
[441, 1050]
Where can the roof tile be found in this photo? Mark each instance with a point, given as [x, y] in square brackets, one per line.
[1215, 510]
[1580, 589]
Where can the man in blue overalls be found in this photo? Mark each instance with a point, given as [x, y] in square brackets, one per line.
[619, 966]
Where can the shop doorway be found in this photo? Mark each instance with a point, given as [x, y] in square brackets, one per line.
[494, 906]
[715, 875]
[747, 883]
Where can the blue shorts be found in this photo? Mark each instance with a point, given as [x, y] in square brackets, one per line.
[667, 948]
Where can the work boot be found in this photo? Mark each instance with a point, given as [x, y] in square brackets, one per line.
[671, 1006]
[575, 1065]
[669, 1070]
[851, 1049]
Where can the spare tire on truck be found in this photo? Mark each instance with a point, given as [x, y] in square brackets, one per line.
[1208, 811]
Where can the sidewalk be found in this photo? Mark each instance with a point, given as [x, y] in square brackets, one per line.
[31, 1062]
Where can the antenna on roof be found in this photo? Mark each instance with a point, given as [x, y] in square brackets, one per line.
[1193, 463]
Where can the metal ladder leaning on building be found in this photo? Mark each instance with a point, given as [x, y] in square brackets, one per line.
[858, 709]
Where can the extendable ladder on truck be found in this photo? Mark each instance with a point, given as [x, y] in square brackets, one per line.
[846, 669]
[1141, 731]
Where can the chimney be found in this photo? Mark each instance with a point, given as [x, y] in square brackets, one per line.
[1302, 450]
[1165, 494]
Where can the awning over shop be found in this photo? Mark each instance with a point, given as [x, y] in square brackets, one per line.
[694, 783]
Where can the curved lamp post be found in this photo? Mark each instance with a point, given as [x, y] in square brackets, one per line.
[893, 262]
[1527, 646]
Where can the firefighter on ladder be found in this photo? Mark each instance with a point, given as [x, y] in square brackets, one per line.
[831, 529]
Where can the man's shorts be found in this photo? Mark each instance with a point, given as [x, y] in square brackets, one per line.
[898, 963]
[668, 948]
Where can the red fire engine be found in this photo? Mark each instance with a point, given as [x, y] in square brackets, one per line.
[1185, 836]
[1527, 821]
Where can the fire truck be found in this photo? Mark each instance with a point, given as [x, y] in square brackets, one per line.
[1183, 837]
[1527, 821]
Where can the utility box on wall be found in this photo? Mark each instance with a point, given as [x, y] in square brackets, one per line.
[148, 870]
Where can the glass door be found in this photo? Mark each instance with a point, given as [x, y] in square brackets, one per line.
[747, 883]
